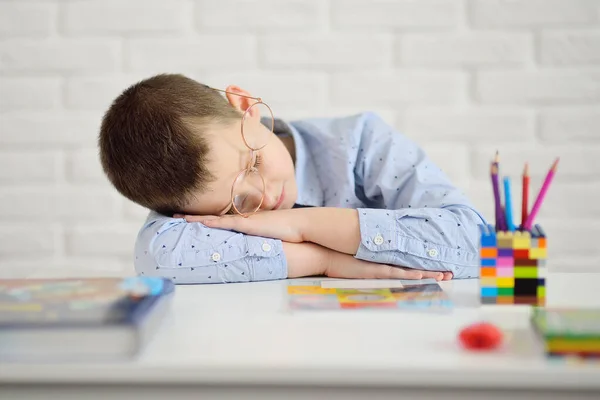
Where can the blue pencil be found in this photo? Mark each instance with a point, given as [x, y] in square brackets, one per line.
[508, 205]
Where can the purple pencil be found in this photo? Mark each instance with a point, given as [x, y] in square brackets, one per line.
[540, 197]
[499, 214]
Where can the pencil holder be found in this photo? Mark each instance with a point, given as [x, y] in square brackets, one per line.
[512, 266]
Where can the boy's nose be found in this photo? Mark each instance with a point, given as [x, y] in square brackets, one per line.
[268, 202]
[270, 198]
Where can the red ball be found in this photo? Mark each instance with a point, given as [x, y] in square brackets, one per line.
[481, 336]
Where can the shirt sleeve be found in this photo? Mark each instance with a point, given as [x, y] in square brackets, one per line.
[191, 253]
[421, 220]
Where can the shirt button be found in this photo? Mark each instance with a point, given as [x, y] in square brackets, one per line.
[432, 252]
[216, 256]
[266, 247]
[378, 239]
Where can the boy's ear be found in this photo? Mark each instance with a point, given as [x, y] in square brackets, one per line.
[241, 103]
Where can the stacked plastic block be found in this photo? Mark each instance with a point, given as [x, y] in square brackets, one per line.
[513, 266]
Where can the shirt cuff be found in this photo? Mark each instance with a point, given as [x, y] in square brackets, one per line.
[266, 259]
[417, 239]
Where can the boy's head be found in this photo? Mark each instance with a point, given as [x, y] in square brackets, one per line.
[172, 145]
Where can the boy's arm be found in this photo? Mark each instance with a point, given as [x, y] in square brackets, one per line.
[308, 259]
[193, 253]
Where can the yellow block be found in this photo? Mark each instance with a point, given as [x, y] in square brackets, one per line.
[541, 291]
[488, 282]
[309, 290]
[504, 240]
[522, 240]
[536, 254]
[505, 282]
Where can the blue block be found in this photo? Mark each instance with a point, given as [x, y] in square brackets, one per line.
[488, 262]
[541, 282]
[540, 231]
[488, 236]
[489, 292]
[488, 241]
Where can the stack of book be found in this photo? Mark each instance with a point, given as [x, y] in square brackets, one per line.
[568, 332]
[79, 319]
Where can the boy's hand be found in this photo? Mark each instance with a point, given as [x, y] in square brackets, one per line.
[346, 266]
[279, 224]
[309, 259]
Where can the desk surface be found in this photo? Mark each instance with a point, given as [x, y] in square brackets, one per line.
[243, 333]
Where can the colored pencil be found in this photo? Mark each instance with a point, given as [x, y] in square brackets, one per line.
[500, 222]
[540, 198]
[525, 195]
[508, 205]
[498, 206]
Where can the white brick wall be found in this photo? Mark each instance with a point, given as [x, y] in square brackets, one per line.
[462, 77]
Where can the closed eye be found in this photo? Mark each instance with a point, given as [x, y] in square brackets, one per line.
[258, 160]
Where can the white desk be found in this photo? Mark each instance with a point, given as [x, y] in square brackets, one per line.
[238, 341]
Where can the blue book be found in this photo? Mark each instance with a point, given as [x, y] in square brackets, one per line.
[79, 319]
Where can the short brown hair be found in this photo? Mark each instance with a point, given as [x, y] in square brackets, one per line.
[151, 144]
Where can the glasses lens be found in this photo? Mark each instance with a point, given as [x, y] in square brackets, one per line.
[257, 125]
[248, 192]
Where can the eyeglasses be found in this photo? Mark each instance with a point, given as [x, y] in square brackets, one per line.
[248, 188]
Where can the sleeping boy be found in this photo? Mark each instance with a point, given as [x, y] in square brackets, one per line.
[237, 195]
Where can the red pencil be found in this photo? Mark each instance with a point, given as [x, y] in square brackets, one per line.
[540, 197]
[525, 195]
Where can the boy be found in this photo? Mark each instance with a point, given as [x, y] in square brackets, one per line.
[236, 195]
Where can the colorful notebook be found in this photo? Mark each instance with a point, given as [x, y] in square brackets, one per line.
[355, 294]
[88, 318]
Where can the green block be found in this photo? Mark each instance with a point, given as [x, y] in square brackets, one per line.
[506, 291]
[541, 291]
[526, 272]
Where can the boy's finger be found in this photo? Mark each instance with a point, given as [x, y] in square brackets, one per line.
[200, 218]
[438, 276]
[365, 270]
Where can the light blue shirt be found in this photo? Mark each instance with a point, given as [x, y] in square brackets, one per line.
[410, 213]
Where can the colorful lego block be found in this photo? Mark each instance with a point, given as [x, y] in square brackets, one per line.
[522, 240]
[505, 272]
[512, 266]
[505, 240]
[521, 254]
[538, 253]
[488, 282]
[489, 252]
